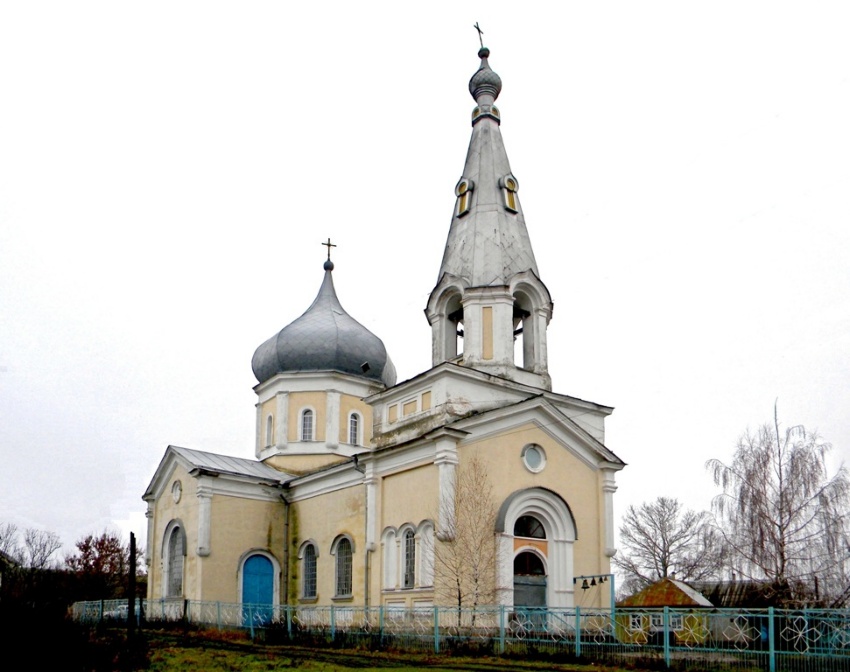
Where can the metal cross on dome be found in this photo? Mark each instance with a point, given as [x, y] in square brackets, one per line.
[480, 33]
[329, 245]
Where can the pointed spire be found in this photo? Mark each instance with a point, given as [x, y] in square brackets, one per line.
[488, 242]
[488, 291]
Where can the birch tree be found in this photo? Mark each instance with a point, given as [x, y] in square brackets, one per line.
[784, 515]
[465, 556]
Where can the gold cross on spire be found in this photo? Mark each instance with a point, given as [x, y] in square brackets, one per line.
[329, 245]
[480, 33]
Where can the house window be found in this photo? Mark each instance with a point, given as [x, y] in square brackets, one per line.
[354, 429]
[343, 568]
[409, 559]
[308, 587]
[269, 430]
[656, 621]
[635, 622]
[307, 425]
[176, 551]
[676, 622]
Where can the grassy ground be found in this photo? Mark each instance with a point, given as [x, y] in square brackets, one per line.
[211, 652]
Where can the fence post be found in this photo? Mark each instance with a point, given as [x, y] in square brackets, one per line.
[770, 640]
[288, 621]
[578, 632]
[501, 628]
[667, 637]
[381, 622]
[333, 622]
[436, 630]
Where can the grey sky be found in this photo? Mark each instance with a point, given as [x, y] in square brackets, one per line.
[168, 171]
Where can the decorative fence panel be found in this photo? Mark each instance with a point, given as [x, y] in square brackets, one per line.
[756, 639]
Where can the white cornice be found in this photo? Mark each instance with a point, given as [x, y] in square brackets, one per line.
[315, 381]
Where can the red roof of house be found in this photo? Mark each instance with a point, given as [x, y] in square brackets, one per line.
[666, 593]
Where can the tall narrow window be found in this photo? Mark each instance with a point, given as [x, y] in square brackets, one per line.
[307, 425]
[269, 430]
[343, 568]
[354, 429]
[409, 559]
[309, 585]
[509, 187]
[174, 585]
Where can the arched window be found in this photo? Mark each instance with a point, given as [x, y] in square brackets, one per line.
[176, 545]
[425, 557]
[388, 538]
[344, 583]
[409, 541]
[307, 425]
[308, 585]
[354, 429]
[529, 527]
[528, 564]
[269, 430]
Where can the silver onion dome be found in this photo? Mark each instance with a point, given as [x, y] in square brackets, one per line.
[325, 338]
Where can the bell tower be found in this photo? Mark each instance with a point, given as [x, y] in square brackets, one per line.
[490, 310]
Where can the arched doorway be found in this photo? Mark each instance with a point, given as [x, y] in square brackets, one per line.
[257, 590]
[529, 581]
[536, 521]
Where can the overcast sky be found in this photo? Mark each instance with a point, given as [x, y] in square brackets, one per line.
[168, 171]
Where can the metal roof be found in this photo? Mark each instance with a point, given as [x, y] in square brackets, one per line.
[225, 464]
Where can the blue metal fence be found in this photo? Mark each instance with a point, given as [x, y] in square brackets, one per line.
[757, 639]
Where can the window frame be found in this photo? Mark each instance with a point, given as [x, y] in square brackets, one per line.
[355, 422]
[408, 559]
[304, 415]
[309, 557]
[343, 552]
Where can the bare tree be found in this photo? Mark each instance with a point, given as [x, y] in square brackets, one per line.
[465, 557]
[9, 543]
[782, 513]
[659, 538]
[39, 547]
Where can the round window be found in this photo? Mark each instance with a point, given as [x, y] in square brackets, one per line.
[534, 457]
[176, 491]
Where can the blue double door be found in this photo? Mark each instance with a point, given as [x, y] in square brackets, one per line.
[257, 590]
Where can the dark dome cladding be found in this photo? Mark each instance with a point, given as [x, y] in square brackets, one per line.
[325, 338]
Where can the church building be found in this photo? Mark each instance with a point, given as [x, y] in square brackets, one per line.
[360, 491]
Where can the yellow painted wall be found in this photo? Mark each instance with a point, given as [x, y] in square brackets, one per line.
[238, 526]
[347, 404]
[487, 332]
[406, 497]
[302, 464]
[322, 519]
[300, 400]
[166, 510]
[578, 484]
[409, 497]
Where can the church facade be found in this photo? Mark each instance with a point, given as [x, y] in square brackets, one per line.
[471, 482]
